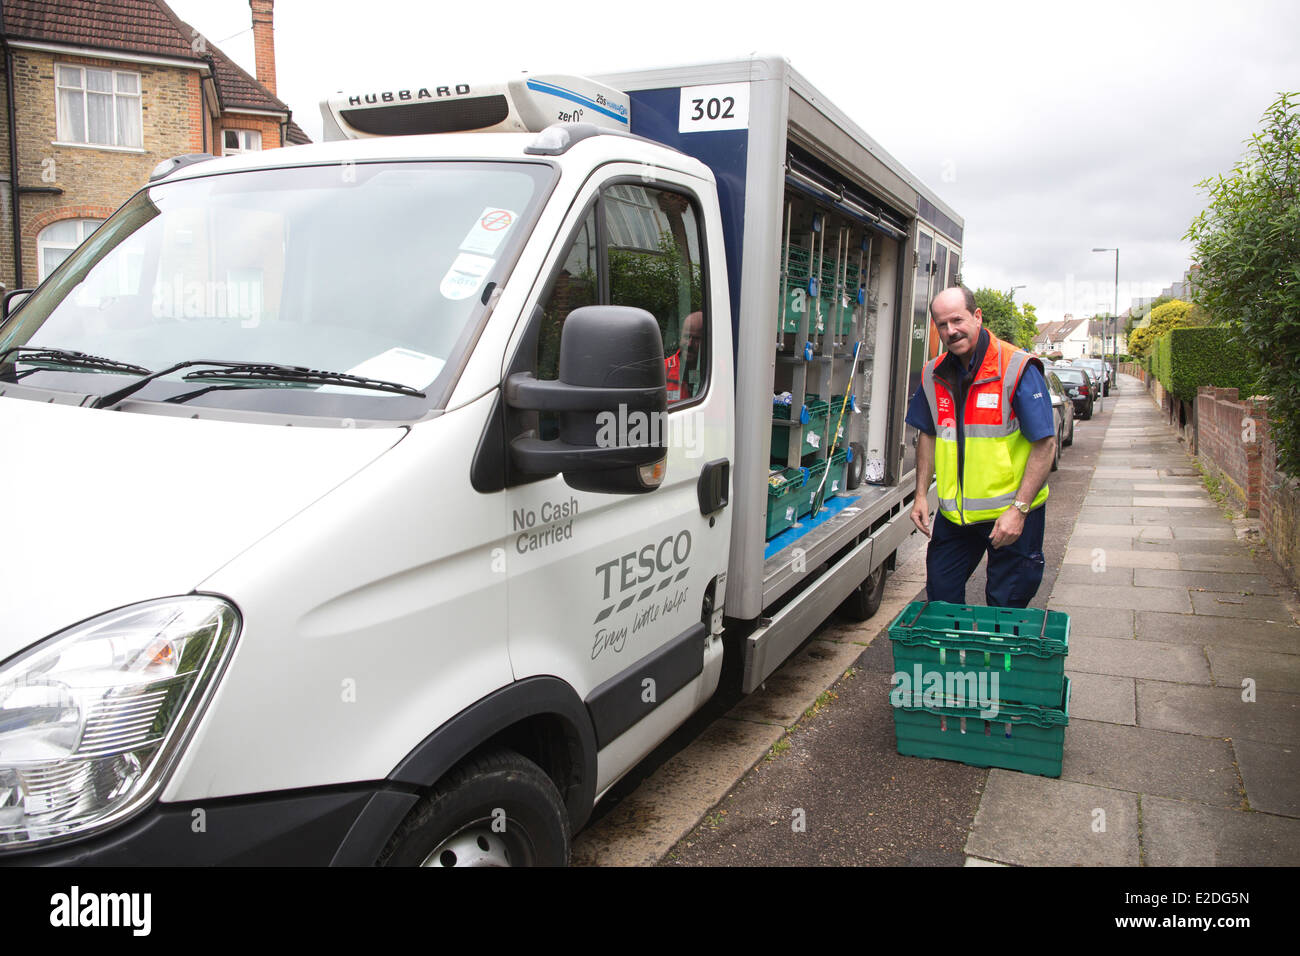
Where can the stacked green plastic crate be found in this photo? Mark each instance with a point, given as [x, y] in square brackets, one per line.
[982, 685]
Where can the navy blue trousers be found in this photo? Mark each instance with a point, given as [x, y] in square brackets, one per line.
[1014, 571]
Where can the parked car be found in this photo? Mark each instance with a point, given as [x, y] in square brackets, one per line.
[1063, 411]
[1097, 369]
[1080, 388]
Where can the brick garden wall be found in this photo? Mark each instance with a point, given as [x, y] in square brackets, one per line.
[1228, 442]
[1234, 445]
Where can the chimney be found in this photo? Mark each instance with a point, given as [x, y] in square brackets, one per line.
[264, 42]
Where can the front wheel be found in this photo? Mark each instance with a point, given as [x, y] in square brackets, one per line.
[495, 809]
[865, 600]
[1056, 452]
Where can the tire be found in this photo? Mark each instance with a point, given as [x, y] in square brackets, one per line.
[494, 809]
[1056, 452]
[1070, 440]
[865, 600]
[857, 467]
[1087, 411]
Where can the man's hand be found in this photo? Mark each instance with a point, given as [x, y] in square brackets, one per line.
[1007, 529]
[921, 515]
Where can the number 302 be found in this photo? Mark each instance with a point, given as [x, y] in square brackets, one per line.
[714, 108]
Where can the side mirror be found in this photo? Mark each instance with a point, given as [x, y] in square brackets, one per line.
[612, 401]
[13, 302]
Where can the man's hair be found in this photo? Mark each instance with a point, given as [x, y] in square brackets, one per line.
[966, 293]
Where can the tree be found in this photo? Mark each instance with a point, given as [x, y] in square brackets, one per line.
[1172, 314]
[1004, 320]
[1028, 327]
[1247, 244]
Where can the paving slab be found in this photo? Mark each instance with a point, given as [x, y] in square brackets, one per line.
[1121, 557]
[1204, 533]
[1171, 487]
[976, 861]
[1101, 697]
[1084, 574]
[1226, 581]
[1182, 663]
[1120, 516]
[1097, 621]
[1218, 712]
[1272, 776]
[1036, 821]
[1248, 606]
[1142, 760]
[1101, 596]
[1190, 629]
[1178, 833]
[1169, 501]
[1152, 532]
[1200, 552]
[1270, 671]
[1233, 560]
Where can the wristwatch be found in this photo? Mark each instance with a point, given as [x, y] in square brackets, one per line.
[1021, 506]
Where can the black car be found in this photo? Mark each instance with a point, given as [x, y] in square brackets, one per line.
[1079, 387]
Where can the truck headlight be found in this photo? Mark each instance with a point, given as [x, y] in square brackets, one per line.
[91, 718]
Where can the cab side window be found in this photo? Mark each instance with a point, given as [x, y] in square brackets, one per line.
[639, 246]
[654, 251]
[575, 285]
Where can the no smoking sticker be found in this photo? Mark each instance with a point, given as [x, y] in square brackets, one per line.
[488, 230]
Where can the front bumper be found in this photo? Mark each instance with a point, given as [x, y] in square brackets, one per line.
[337, 826]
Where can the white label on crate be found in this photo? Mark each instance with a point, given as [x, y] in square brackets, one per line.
[814, 439]
[835, 486]
[710, 108]
[789, 513]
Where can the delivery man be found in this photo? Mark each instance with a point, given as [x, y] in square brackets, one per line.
[991, 452]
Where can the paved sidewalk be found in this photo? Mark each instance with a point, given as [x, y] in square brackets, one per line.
[1184, 739]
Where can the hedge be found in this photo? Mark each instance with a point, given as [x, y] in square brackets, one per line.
[1185, 359]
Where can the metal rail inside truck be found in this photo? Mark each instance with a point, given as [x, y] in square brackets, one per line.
[385, 500]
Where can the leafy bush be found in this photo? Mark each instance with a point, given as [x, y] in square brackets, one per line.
[1247, 245]
[1186, 359]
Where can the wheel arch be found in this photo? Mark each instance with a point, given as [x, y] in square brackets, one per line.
[541, 718]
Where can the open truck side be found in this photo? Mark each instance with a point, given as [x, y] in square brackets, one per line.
[798, 179]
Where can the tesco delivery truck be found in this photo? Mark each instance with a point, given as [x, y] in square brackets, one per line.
[386, 500]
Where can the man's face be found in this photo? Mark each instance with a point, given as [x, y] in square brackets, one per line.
[959, 330]
[692, 334]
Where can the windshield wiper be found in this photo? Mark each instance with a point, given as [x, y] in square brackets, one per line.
[72, 359]
[296, 373]
[255, 371]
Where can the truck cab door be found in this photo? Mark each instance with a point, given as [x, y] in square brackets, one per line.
[615, 593]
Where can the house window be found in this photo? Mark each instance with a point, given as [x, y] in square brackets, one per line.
[56, 241]
[234, 141]
[99, 107]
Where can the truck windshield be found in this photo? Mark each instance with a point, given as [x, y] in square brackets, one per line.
[375, 270]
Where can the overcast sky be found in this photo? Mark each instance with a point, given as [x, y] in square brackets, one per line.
[1051, 128]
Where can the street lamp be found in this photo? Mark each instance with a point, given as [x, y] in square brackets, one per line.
[1114, 315]
[1013, 292]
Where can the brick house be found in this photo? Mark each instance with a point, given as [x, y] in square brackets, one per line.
[93, 95]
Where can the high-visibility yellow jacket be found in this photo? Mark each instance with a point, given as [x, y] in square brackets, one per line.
[979, 454]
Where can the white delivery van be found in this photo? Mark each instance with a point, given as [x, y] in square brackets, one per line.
[385, 500]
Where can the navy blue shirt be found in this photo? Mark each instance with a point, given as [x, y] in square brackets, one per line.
[1032, 403]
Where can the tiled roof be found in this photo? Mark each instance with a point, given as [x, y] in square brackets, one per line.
[295, 135]
[1057, 331]
[132, 26]
[238, 89]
